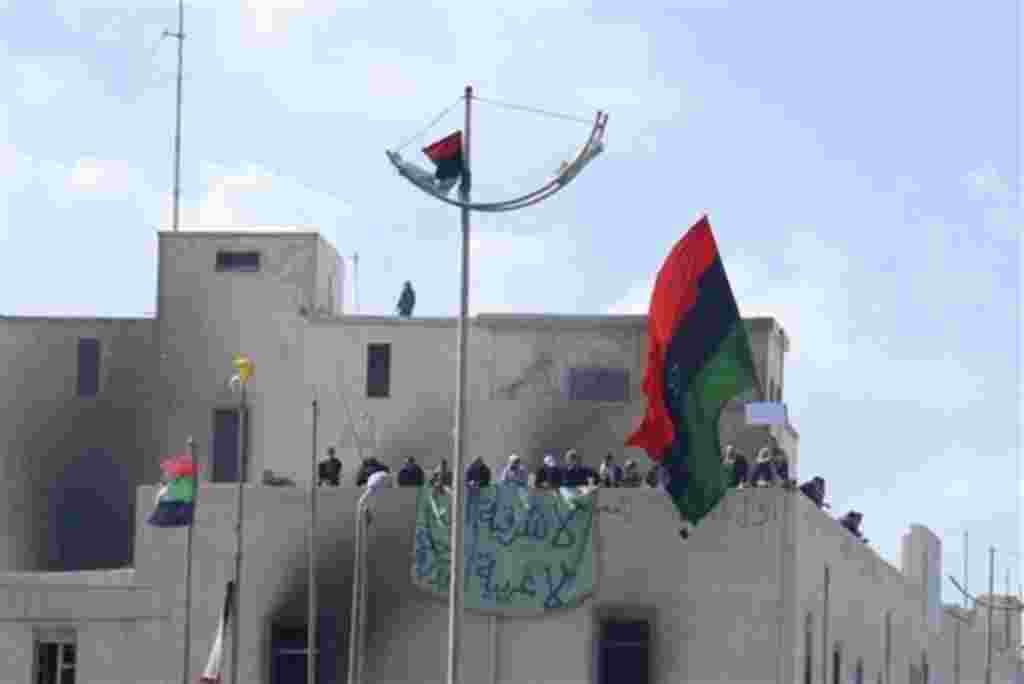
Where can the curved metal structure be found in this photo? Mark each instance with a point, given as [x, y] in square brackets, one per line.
[424, 180]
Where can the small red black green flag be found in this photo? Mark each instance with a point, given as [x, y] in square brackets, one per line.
[447, 157]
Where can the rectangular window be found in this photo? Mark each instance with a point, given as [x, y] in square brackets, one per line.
[289, 653]
[55, 660]
[226, 435]
[378, 371]
[238, 261]
[596, 384]
[624, 652]
[88, 367]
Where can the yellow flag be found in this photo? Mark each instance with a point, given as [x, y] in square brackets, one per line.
[244, 366]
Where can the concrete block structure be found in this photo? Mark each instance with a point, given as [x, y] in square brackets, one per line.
[768, 588]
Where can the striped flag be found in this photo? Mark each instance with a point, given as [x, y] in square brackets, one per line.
[699, 358]
[175, 502]
[215, 664]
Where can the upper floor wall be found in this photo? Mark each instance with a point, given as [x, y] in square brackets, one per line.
[73, 423]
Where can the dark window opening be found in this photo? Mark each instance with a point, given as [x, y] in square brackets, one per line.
[289, 654]
[378, 371]
[596, 384]
[55, 663]
[624, 652]
[238, 261]
[226, 435]
[88, 367]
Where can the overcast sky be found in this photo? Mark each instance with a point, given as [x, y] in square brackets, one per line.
[859, 163]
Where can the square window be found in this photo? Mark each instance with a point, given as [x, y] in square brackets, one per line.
[248, 262]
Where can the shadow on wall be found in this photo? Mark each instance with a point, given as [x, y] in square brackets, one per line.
[426, 436]
[92, 492]
[334, 599]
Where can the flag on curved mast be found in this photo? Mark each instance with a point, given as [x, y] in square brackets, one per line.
[698, 358]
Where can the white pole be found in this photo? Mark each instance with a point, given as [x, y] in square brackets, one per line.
[311, 646]
[239, 512]
[456, 581]
[188, 564]
[991, 600]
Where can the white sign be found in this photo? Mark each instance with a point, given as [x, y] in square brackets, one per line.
[766, 413]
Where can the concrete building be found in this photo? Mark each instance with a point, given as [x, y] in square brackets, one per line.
[769, 588]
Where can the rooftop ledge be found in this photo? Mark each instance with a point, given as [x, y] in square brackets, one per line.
[92, 579]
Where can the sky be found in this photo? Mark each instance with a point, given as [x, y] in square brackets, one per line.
[860, 165]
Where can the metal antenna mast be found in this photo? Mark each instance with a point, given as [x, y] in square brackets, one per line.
[180, 35]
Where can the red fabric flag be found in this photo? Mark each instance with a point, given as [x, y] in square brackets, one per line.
[675, 293]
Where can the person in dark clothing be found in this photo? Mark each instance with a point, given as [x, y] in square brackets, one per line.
[736, 467]
[478, 474]
[631, 475]
[329, 470]
[550, 475]
[411, 475]
[407, 301]
[814, 489]
[576, 474]
[764, 468]
[851, 521]
[611, 472]
[442, 475]
[369, 466]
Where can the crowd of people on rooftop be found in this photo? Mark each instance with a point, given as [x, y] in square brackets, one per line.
[770, 467]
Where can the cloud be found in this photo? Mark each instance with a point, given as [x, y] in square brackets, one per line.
[103, 176]
[252, 195]
[37, 86]
[1000, 202]
[809, 299]
[957, 489]
[511, 272]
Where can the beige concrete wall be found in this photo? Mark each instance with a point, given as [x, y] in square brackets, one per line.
[513, 380]
[710, 599]
[45, 430]
[119, 625]
[205, 317]
[329, 298]
[863, 588]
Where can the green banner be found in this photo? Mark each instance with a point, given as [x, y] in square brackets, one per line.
[526, 551]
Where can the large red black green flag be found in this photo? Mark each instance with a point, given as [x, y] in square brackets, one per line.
[698, 358]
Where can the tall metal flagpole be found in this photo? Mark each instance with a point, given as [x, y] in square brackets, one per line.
[456, 585]
[311, 649]
[991, 600]
[188, 564]
[239, 500]
[180, 35]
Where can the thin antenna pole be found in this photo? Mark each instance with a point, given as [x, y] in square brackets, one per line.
[180, 35]
[456, 584]
[355, 281]
[1009, 602]
[311, 645]
[966, 585]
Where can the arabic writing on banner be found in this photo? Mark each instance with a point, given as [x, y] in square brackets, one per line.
[526, 552]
